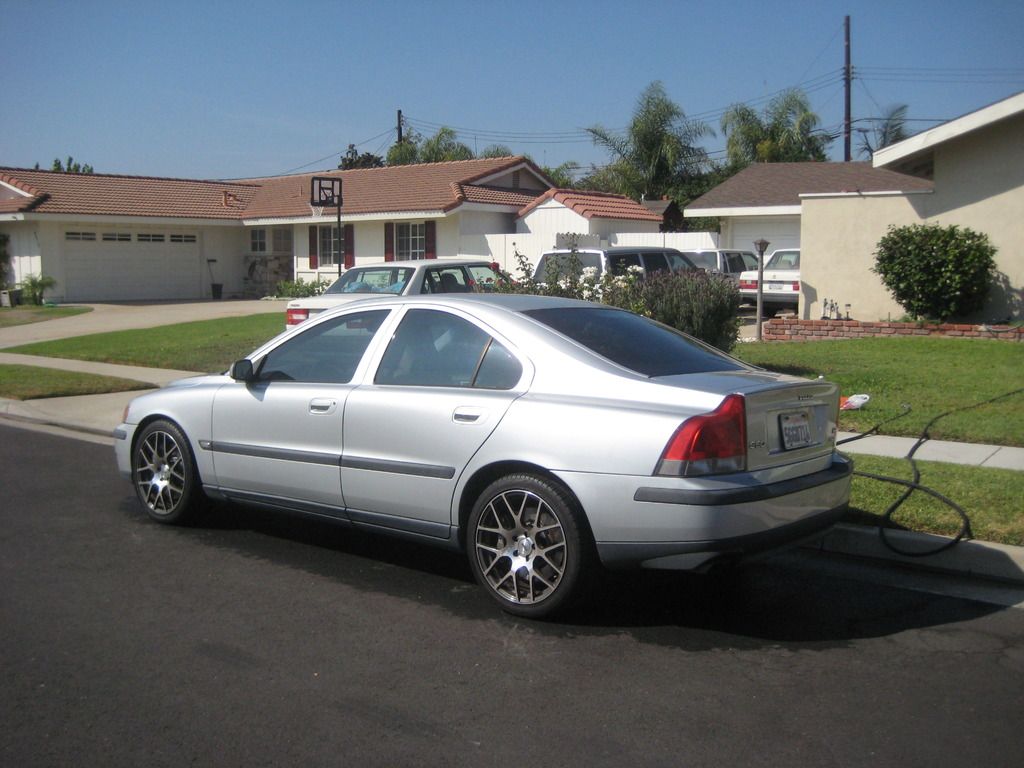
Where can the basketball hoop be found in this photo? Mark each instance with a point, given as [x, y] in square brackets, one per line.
[325, 191]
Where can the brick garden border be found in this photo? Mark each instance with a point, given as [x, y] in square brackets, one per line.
[792, 329]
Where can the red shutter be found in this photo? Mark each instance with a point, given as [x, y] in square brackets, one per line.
[389, 241]
[350, 246]
[430, 240]
[314, 262]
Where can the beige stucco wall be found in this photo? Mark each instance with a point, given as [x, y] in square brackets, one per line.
[979, 183]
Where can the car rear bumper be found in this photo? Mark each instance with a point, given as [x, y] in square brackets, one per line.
[727, 522]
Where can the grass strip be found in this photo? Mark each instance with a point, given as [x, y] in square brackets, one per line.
[204, 345]
[11, 316]
[26, 382]
[932, 375]
[992, 498]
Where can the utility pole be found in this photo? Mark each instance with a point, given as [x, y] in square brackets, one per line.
[847, 78]
[399, 126]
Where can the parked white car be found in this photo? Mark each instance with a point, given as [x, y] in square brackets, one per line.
[398, 278]
[781, 281]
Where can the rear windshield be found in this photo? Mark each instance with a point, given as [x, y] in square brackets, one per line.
[372, 280]
[634, 342]
[784, 260]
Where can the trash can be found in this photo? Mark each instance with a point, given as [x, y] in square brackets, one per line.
[217, 289]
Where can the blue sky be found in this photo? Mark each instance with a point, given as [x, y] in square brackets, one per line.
[229, 89]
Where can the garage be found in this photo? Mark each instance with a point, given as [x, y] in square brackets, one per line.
[779, 231]
[112, 265]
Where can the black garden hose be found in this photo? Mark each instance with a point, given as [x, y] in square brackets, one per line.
[915, 484]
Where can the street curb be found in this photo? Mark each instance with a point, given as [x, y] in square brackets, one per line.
[985, 559]
[54, 423]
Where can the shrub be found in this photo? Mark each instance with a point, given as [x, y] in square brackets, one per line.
[703, 305]
[33, 287]
[936, 272]
[300, 289]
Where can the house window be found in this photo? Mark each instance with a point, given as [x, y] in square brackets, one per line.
[79, 235]
[330, 246]
[117, 237]
[183, 238]
[411, 241]
[258, 240]
[145, 237]
[282, 240]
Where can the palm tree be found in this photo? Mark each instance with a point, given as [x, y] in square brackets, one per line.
[444, 145]
[785, 132]
[889, 129]
[657, 152]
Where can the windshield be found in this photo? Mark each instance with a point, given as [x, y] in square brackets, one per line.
[784, 260]
[704, 260]
[372, 280]
[634, 342]
[555, 266]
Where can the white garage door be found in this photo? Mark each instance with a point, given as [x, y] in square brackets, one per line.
[779, 231]
[110, 266]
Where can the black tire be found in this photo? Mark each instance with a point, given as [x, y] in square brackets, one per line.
[528, 545]
[164, 474]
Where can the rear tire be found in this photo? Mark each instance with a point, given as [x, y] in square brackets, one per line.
[528, 545]
[164, 474]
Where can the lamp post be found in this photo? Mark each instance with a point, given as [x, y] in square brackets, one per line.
[761, 244]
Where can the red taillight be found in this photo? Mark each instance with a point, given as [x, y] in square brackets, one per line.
[796, 286]
[295, 316]
[750, 285]
[710, 444]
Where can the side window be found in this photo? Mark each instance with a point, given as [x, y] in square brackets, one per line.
[484, 278]
[436, 349]
[621, 262]
[328, 353]
[655, 262]
[446, 280]
[735, 263]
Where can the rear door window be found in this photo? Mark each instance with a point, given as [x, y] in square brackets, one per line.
[655, 262]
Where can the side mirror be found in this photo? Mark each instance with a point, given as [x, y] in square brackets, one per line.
[241, 370]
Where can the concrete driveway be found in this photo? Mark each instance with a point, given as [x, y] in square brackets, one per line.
[119, 317]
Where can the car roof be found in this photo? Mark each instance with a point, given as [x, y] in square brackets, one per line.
[618, 249]
[461, 262]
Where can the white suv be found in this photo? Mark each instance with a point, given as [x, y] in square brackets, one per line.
[393, 278]
[615, 260]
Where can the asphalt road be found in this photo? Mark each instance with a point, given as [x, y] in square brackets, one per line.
[261, 639]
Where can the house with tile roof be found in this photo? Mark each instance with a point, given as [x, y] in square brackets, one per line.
[109, 237]
[968, 172]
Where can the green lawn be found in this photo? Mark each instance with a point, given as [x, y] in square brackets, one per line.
[932, 375]
[203, 346]
[23, 315]
[992, 498]
[25, 382]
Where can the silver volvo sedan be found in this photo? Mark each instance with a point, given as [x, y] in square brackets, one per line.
[544, 437]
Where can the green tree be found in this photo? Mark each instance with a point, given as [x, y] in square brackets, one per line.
[658, 151]
[353, 159]
[563, 176]
[69, 166]
[889, 129]
[497, 150]
[786, 132]
[406, 151]
[444, 146]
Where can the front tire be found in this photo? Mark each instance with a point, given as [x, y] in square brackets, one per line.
[164, 474]
[528, 546]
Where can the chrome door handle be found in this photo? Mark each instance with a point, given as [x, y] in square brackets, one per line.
[467, 415]
[322, 406]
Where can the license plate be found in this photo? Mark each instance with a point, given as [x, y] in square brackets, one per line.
[776, 286]
[796, 430]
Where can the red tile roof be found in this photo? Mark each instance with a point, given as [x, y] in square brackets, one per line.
[108, 195]
[595, 205]
[781, 184]
[402, 188]
[396, 188]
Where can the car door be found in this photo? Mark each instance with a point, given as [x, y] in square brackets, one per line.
[278, 438]
[441, 387]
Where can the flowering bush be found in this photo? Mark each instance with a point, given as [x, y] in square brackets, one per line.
[702, 305]
[300, 289]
